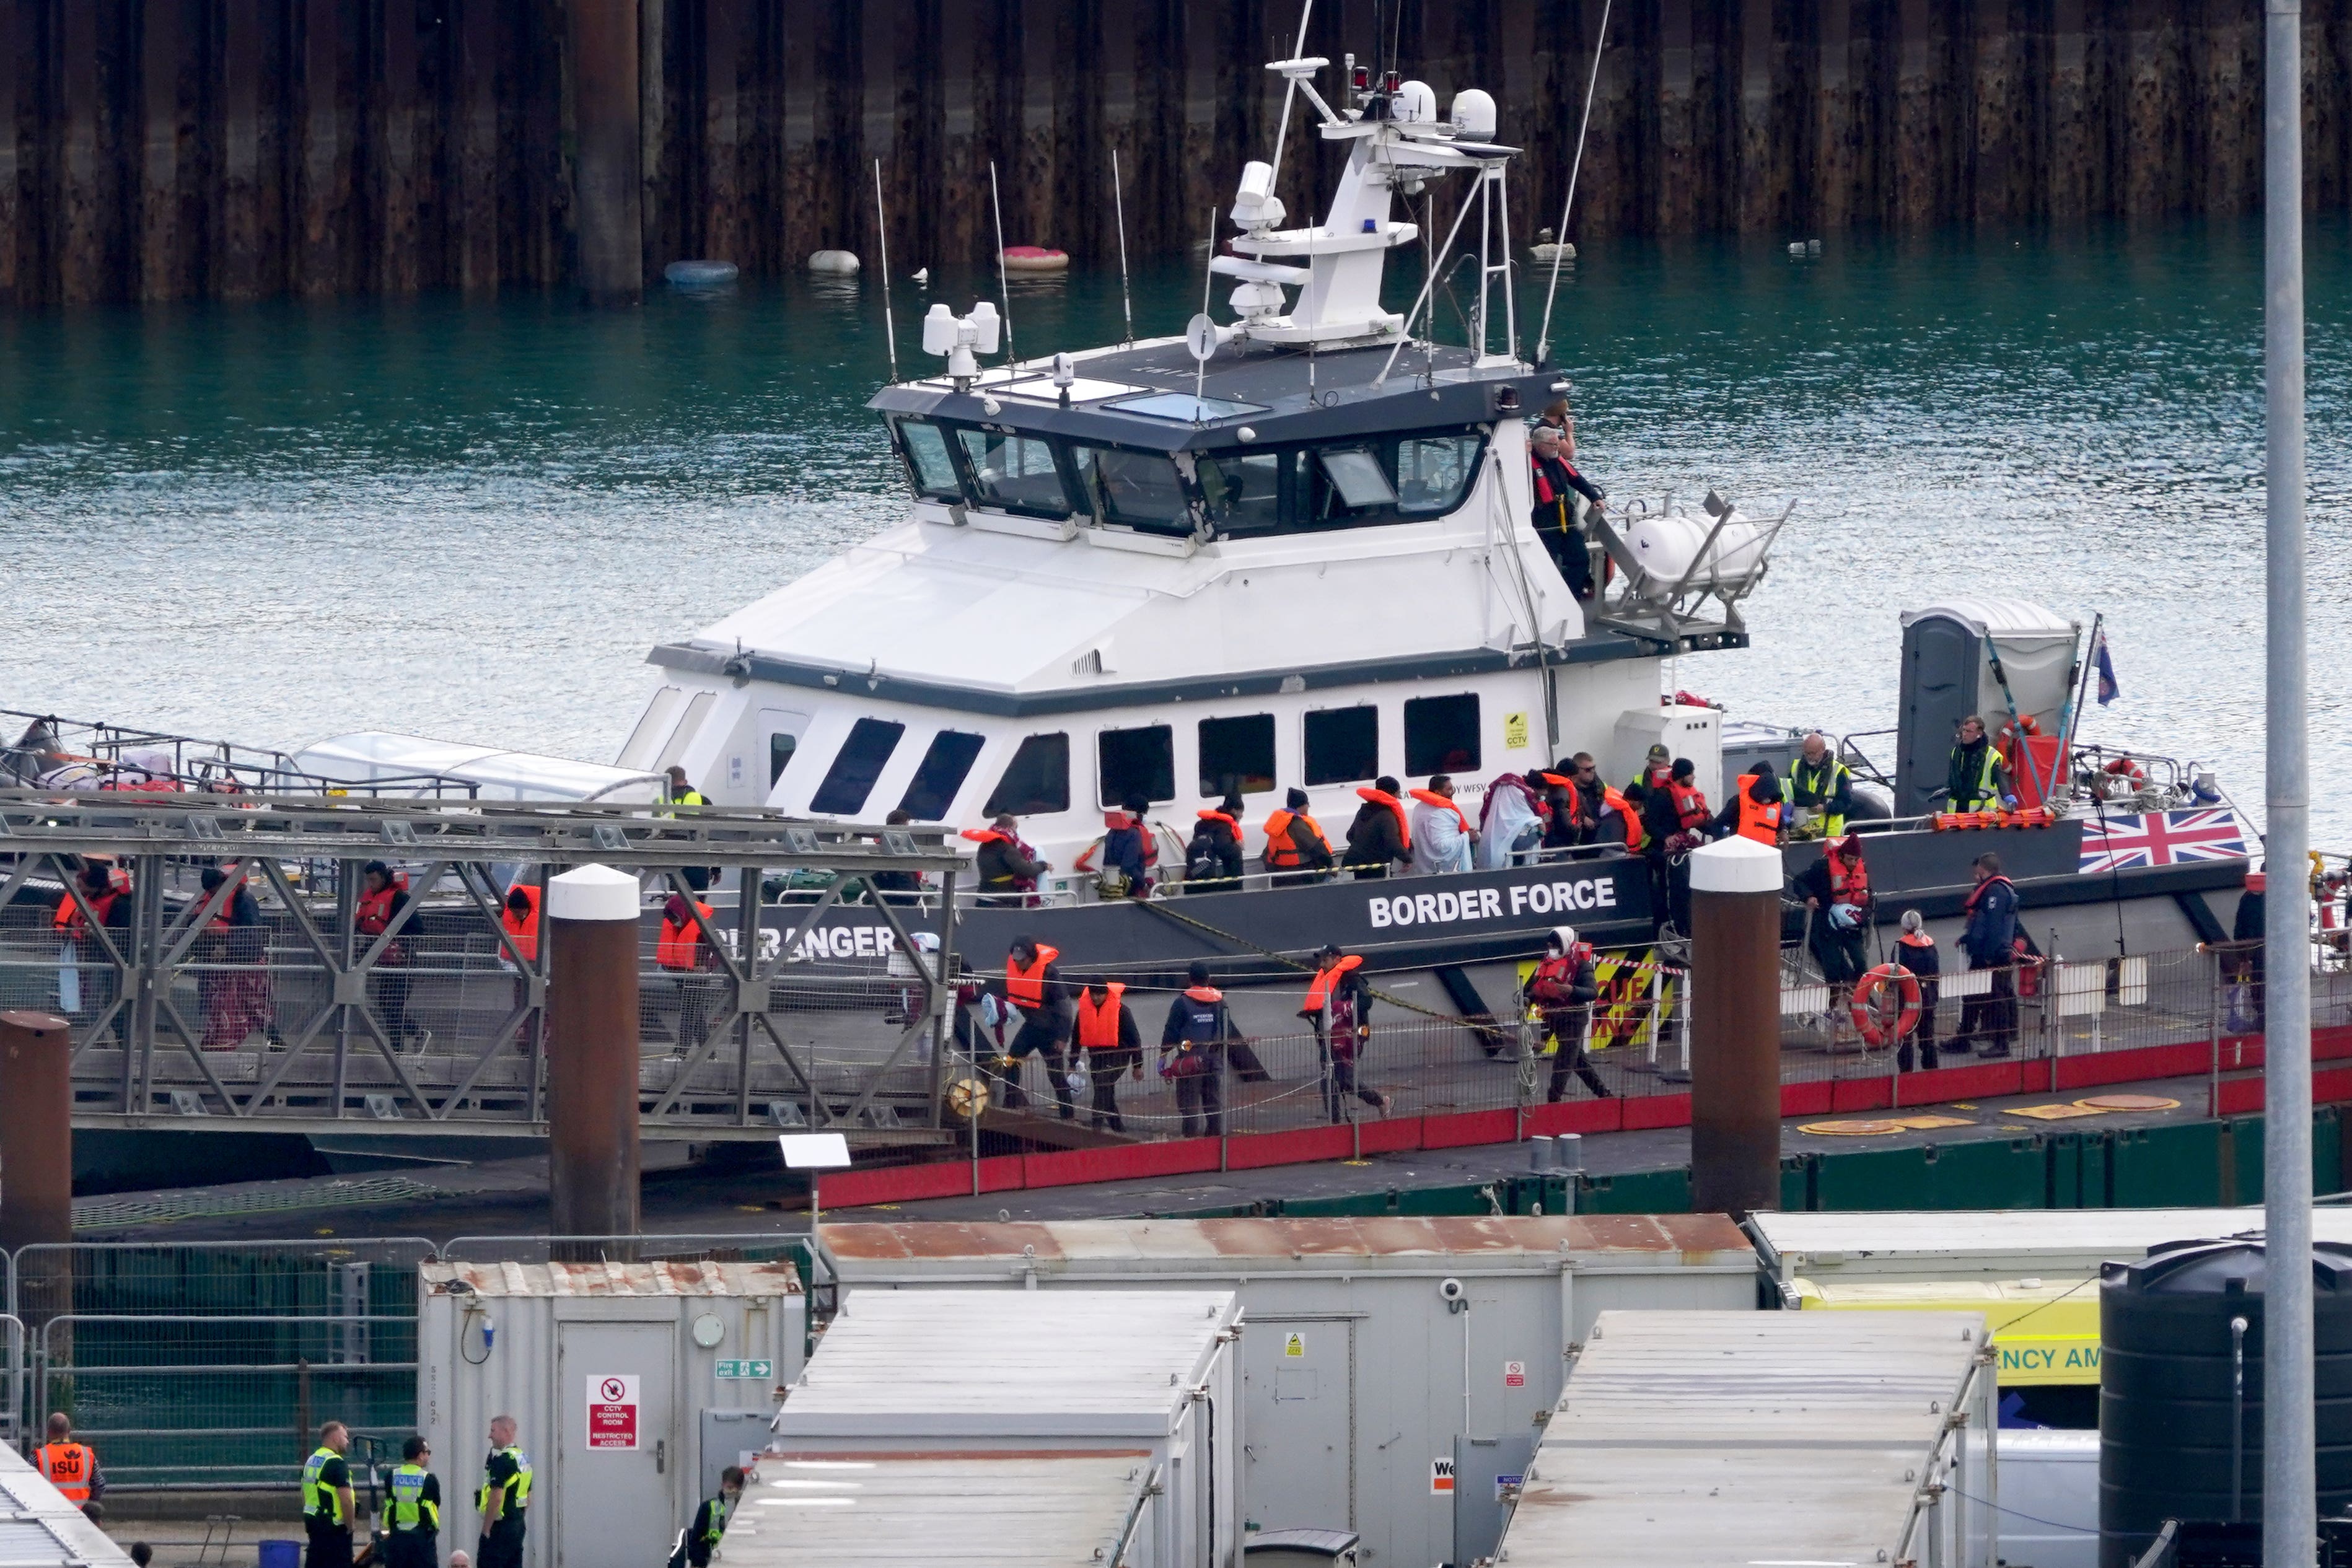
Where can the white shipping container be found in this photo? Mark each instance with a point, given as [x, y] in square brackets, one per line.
[1358, 1370]
[2057, 1245]
[1145, 1375]
[608, 1369]
[40, 1529]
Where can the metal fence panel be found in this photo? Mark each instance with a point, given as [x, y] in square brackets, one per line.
[226, 1401]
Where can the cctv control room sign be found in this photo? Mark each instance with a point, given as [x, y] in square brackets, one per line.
[611, 1410]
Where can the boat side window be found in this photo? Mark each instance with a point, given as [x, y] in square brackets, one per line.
[1036, 782]
[929, 468]
[1343, 745]
[1137, 762]
[1243, 491]
[780, 756]
[1440, 734]
[941, 774]
[1434, 471]
[1015, 472]
[1139, 490]
[1236, 756]
[857, 766]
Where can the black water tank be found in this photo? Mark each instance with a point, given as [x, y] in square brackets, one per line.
[2169, 1365]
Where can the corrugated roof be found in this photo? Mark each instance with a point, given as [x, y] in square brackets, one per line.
[1951, 1244]
[1003, 1364]
[1699, 1438]
[1694, 1239]
[40, 1529]
[1044, 1509]
[664, 1279]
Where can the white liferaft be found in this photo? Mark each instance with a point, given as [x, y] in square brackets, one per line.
[1667, 546]
[832, 261]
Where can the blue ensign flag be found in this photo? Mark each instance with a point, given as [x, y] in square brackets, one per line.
[2109, 690]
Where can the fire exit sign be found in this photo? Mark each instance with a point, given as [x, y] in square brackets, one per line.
[746, 1369]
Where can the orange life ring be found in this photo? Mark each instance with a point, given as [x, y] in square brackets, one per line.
[1867, 1019]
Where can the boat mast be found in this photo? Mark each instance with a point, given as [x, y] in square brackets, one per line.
[2290, 1506]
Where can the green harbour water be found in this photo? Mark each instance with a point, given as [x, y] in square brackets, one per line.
[470, 519]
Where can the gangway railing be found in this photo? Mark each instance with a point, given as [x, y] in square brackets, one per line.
[297, 1020]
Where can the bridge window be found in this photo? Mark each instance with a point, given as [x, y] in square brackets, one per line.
[1037, 780]
[1138, 762]
[939, 774]
[1441, 735]
[1139, 490]
[929, 468]
[1343, 745]
[856, 768]
[1236, 756]
[1433, 472]
[1243, 491]
[1355, 480]
[1015, 472]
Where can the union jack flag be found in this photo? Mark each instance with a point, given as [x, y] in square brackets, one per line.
[2162, 838]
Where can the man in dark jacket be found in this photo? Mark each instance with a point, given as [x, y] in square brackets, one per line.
[898, 886]
[1213, 862]
[1127, 848]
[1007, 869]
[1555, 484]
[2244, 962]
[1975, 779]
[1048, 1015]
[1563, 990]
[1339, 1009]
[701, 1537]
[1990, 943]
[1192, 1053]
[1376, 839]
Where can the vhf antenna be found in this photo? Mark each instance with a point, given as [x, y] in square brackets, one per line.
[1003, 290]
[882, 236]
[1126, 305]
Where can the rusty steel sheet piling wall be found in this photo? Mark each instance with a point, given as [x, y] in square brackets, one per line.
[166, 149]
[35, 1130]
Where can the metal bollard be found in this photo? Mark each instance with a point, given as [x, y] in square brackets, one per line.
[1540, 1154]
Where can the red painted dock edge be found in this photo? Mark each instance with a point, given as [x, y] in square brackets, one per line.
[1256, 1150]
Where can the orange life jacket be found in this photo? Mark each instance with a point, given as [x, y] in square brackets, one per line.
[1209, 816]
[1025, 986]
[1849, 884]
[1319, 992]
[1098, 1020]
[375, 910]
[678, 946]
[1443, 803]
[1382, 798]
[70, 920]
[1614, 799]
[523, 929]
[1923, 940]
[66, 1467]
[1554, 978]
[1759, 819]
[1690, 805]
[1282, 851]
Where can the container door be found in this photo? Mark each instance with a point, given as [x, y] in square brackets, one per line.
[616, 1460]
[1299, 1389]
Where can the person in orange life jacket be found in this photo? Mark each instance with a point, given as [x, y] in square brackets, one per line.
[383, 895]
[1378, 838]
[234, 998]
[1192, 1045]
[1837, 892]
[86, 977]
[1562, 830]
[1679, 811]
[1915, 951]
[1034, 983]
[1109, 1043]
[1296, 850]
[1006, 868]
[1127, 848]
[684, 957]
[1553, 481]
[1441, 835]
[1338, 1008]
[1990, 943]
[70, 1467]
[1563, 989]
[1756, 809]
[1213, 862]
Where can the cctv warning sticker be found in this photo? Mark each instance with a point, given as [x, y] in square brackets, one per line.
[1294, 1345]
[611, 1410]
[1441, 1477]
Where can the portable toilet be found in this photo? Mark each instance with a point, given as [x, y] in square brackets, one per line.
[1950, 672]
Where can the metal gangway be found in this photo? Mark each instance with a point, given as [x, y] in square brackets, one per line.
[818, 1001]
